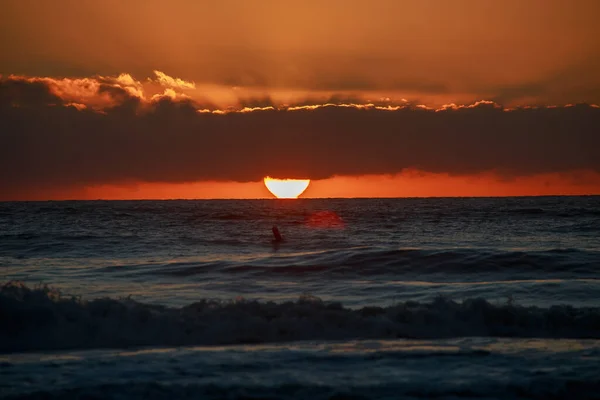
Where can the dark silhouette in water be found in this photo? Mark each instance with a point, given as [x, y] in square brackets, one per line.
[277, 235]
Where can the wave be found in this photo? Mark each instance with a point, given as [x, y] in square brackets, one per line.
[372, 260]
[527, 211]
[563, 212]
[386, 210]
[42, 318]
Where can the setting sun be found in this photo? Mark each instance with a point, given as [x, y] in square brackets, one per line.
[286, 188]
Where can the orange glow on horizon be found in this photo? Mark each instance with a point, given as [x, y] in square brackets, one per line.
[286, 188]
[406, 184]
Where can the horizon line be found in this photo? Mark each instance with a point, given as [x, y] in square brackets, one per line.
[305, 198]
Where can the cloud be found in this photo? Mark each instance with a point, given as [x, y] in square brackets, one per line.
[96, 92]
[49, 143]
[171, 94]
[101, 92]
[23, 93]
[171, 82]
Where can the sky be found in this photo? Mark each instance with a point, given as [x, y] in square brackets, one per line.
[202, 99]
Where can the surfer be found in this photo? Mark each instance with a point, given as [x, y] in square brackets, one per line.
[277, 235]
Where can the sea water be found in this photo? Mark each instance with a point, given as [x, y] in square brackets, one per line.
[364, 298]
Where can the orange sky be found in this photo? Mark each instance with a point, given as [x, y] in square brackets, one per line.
[134, 77]
[438, 52]
[409, 184]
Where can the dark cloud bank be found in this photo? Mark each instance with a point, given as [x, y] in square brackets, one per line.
[47, 143]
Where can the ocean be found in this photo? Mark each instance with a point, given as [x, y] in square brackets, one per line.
[445, 298]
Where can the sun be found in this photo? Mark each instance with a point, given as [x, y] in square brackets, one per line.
[286, 188]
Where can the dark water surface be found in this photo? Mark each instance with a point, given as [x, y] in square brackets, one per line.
[489, 297]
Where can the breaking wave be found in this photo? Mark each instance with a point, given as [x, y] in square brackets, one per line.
[42, 318]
